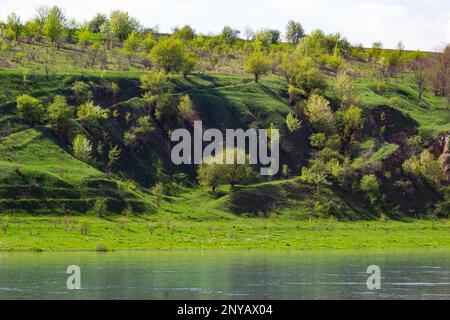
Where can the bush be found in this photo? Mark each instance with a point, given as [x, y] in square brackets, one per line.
[29, 109]
[370, 185]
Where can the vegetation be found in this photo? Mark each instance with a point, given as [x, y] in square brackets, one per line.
[87, 114]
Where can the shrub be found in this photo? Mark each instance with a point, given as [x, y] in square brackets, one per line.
[370, 185]
[30, 109]
[82, 148]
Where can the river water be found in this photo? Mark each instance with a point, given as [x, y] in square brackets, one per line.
[228, 274]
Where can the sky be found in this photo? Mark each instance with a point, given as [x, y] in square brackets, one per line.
[420, 24]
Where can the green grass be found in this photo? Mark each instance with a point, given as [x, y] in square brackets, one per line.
[169, 231]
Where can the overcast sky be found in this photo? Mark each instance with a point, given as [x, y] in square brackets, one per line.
[420, 24]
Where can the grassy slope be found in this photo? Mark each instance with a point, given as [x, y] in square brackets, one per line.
[194, 218]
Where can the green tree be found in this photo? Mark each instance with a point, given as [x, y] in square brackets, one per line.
[132, 44]
[59, 112]
[122, 25]
[113, 155]
[170, 55]
[54, 26]
[33, 30]
[229, 35]
[185, 34]
[211, 175]
[293, 123]
[13, 25]
[154, 82]
[96, 23]
[148, 42]
[258, 65]
[343, 87]
[319, 113]
[30, 109]
[294, 32]
[370, 185]
[82, 91]
[158, 192]
[82, 148]
[84, 36]
[186, 108]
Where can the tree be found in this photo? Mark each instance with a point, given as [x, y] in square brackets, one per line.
[319, 113]
[419, 67]
[189, 63]
[84, 36]
[113, 155]
[122, 25]
[294, 32]
[132, 44]
[96, 23]
[158, 192]
[30, 109]
[186, 108]
[82, 148]
[249, 33]
[154, 82]
[59, 112]
[89, 112]
[215, 170]
[351, 118]
[82, 91]
[32, 30]
[185, 34]
[370, 185]
[229, 35]
[293, 123]
[426, 167]
[257, 64]
[149, 42]
[210, 175]
[170, 55]
[375, 51]
[267, 37]
[13, 25]
[54, 26]
[343, 87]
[440, 75]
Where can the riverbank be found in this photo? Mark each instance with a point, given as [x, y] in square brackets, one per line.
[114, 233]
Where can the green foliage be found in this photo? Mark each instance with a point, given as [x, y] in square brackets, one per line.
[84, 37]
[293, 123]
[132, 44]
[13, 26]
[425, 167]
[318, 140]
[258, 65]
[185, 33]
[229, 35]
[158, 192]
[82, 148]
[100, 207]
[59, 112]
[294, 32]
[30, 109]
[82, 91]
[121, 24]
[89, 112]
[370, 185]
[343, 87]
[113, 155]
[148, 42]
[154, 82]
[319, 113]
[170, 55]
[54, 26]
[186, 108]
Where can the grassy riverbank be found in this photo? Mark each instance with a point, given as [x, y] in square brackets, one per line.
[163, 231]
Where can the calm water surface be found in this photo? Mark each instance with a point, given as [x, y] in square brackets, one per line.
[258, 274]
